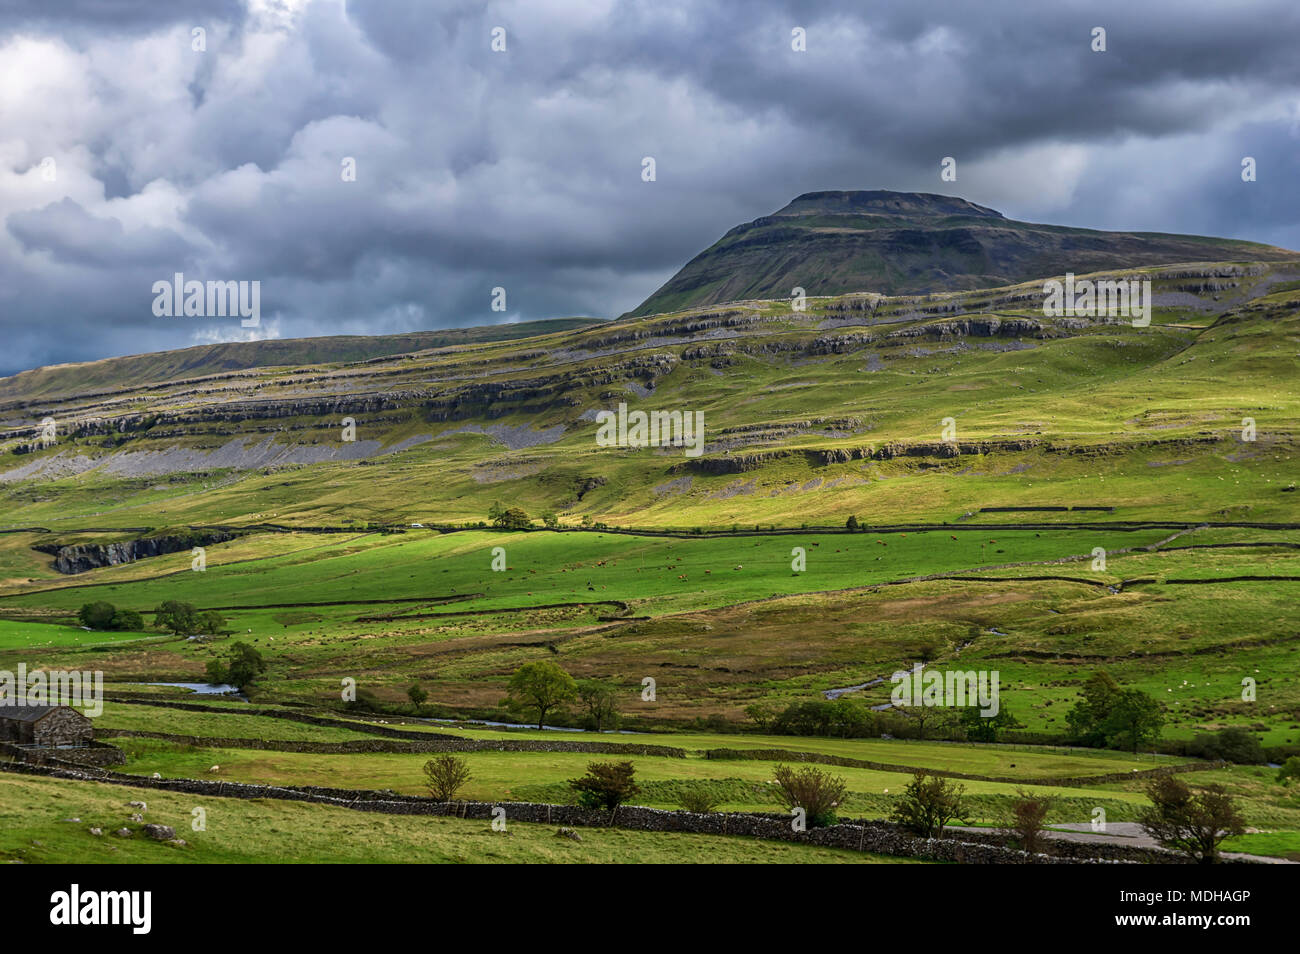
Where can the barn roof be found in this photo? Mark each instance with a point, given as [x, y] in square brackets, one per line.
[28, 713]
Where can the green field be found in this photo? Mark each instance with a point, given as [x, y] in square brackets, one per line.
[729, 580]
[34, 829]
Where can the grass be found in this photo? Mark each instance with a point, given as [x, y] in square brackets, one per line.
[530, 776]
[32, 635]
[33, 829]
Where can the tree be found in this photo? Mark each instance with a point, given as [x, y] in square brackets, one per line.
[1086, 716]
[513, 519]
[417, 696]
[985, 729]
[927, 804]
[1193, 823]
[761, 714]
[103, 615]
[852, 523]
[1135, 719]
[812, 717]
[818, 793]
[1113, 717]
[97, 615]
[445, 776]
[540, 686]
[922, 717]
[606, 785]
[1028, 813]
[600, 699]
[1233, 744]
[550, 519]
[849, 718]
[127, 619]
[242, 665]
[184, 620]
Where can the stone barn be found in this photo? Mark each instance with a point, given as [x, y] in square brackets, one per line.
[45, 726]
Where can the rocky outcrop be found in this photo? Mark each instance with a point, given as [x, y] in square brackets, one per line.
[78, 558]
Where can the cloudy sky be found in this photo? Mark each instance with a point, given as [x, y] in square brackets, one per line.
[127, 155]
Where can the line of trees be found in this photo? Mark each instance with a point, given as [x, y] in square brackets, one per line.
[544, 688]
[181, 619]
[851, 718]
[105, 616]
[1114, 718]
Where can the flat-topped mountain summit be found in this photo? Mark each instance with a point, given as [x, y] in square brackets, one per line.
[901, 243]
[884, 202]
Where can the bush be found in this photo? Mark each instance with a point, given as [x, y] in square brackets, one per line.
[242, 665]
[102, 615]
[125, 619]
[97, 615]
[1028, 813]
[1290, 769]
[818, 793]
[698, 799]
[606, 785]
[184, 620]
[928, 804]
[600, 700]
[1233, 744]
[445, 776]
[365, 701]
[513, 519]
[1193, 823]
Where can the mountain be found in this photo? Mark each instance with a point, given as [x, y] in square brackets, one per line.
[901, 243]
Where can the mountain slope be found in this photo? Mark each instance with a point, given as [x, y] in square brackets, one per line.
[809, 417]
[897, 243]
[204, 360]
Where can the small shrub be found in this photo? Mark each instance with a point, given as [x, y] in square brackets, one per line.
[241, 665]
[445, 776]
[818, 793]
[1028, 814]
[606, 785]
[1290, 770]
[698, 799]
[928, 804]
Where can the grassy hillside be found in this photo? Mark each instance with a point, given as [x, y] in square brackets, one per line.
[206, 360]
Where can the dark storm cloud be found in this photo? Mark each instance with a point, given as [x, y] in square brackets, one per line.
[521, 169]
[69, 234]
